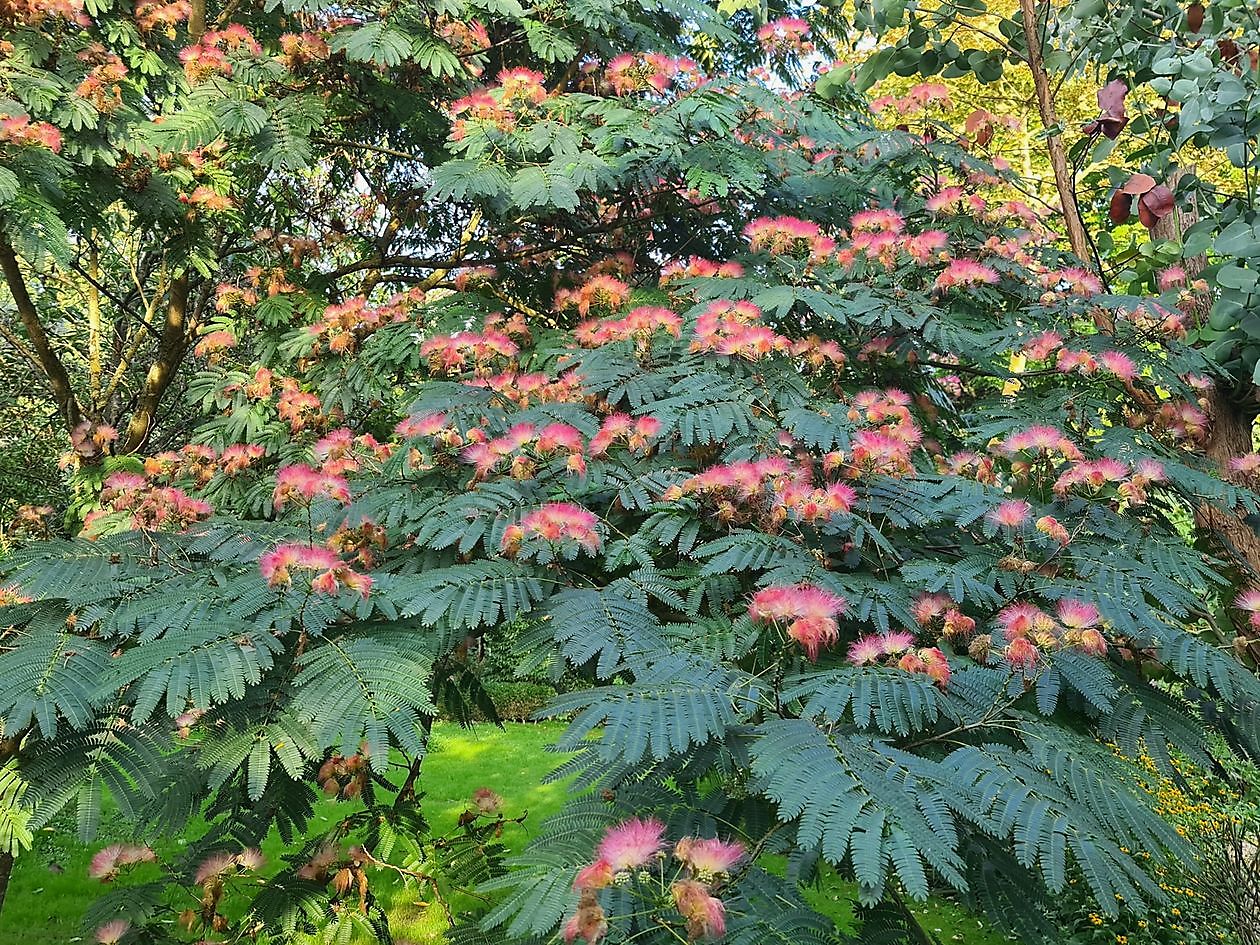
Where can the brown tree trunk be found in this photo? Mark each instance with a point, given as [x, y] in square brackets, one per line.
[171, 348]
[1064, 180]
[1230, 434]
[54, 370]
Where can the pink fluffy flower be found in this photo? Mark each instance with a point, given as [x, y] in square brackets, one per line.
[865, 650]
[595, 875]
[107, 862]
[809, 611]
[705, 914]
[1022, 654]
[1249, 601]
[111, 933]
[708, 857]
[1010, 514]
[302, 483]
[555, 523]
[966, 272]
[1119, 364]
[1077, 614]
[632, 844]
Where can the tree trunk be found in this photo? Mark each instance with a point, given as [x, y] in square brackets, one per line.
[54, 370]
[1064, 180]
[1230, 434]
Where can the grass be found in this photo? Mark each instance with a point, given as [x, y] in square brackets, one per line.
[50, 889]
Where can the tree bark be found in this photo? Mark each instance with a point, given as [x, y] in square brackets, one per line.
[1229, 435]
[51, 365]
[171, 348]
[1064, 180]
[197, 21]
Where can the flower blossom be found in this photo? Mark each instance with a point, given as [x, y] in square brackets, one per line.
[111, 933]
[875, 646]
[631, 844]
[599, 292]
[809, 611]
[636, 432]
[966, 272]
[698, 268]
[709, 857]
[333, 573]
[639, 326]
[108, 861]
[1010, 514]
[784, 36]
[302, 483]
[705, 913]
[1249, 602]
[449, 354]
[556, 523]
[734, 328]
[788, 236]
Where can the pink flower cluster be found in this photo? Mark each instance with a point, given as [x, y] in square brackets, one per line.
[885, 449]
[1029, 630]
[965, 272]
[636, 844]
[788, 35]
[734, 328]
[1182, 421]
[300, 483]
[299, 408]
[214, 342]
[916, 99]
[639, 72]
[638, 326]
[523, 445]
[211, 56]
[524, 389]
[344, 325]
[449, 354]
[940, 612]
[600, 292]
[897, 648]
[636, 433]
[809, 612]
[21, 131]
[1010, 514]
[332, 573]
[216, 864]
[518, 92]
[778, 489]
[699, 268]
[1039, 442]
[556, 523]
[199, 463]
[788, 236]
[107, 862]
[1093, 476]
[1071, 281]
[968, 465]
[341, 451]
[148, 507]
[1249, 602]
[1246, 465]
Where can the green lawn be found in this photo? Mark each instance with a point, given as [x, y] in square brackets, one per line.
[50, 888]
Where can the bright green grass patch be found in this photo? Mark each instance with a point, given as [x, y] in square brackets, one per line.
[50, 889]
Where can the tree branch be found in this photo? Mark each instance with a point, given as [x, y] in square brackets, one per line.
[171, 348]
[1063, 178]
[49, 362]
